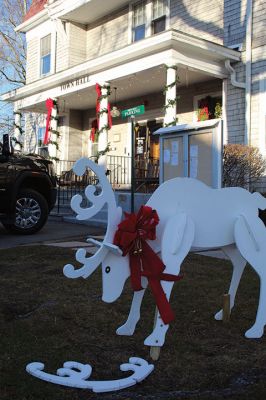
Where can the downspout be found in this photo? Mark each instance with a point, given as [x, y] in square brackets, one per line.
[249, 14]
[247, 84]
[235, 83]
[233, 79]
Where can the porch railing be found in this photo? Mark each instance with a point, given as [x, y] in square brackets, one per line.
[118, 171]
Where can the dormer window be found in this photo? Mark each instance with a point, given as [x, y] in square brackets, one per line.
[159, 15]
[139, 25]
[46, 55]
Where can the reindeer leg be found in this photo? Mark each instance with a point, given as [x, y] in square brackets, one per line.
[250, 236]
[257, 330]
[177, 240]
[134, 314]
[239, 264]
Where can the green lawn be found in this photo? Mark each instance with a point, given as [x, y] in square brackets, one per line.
[49, 318]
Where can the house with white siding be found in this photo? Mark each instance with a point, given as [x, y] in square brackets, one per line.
[185, 61]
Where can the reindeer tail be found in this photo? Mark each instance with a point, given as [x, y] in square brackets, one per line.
[260, 201]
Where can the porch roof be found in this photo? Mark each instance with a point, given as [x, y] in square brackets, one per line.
[84, 11]
[171, 46]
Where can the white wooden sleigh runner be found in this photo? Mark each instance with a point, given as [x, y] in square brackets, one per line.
[191, 215]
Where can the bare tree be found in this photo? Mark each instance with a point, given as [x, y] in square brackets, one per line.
[242, 165]
[12, 55]
[12, 44]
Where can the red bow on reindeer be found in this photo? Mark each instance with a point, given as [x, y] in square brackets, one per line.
[131, 237]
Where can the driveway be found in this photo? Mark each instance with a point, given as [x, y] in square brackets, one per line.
[54, 230]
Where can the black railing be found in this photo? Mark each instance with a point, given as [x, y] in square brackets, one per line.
[119, 168]
[118, 172]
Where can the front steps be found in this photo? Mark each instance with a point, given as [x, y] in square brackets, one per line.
[123, 200]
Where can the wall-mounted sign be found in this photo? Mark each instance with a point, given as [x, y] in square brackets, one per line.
[133, 111]
[75, 83]
[140, 146]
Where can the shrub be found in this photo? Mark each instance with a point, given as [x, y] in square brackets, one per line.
[242, 165]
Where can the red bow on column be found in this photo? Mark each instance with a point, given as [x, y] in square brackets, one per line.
[49, 105]
[131, 237]
[94, 128]
[98, 89]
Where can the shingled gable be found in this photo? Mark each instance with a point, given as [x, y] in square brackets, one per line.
[35, 8]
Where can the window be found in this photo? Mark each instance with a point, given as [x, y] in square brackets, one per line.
[42, 150]
[148, 18]
[208, 106]
[159, 16]
[46, 55]
[139, 21]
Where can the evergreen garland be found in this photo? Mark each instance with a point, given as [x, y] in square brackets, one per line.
[103, 111]
[102, 153]
[173, 123]
[53, 142]
[104, 128]
[19, 128]
[21, 131]
[53, 158]
[17, 142]
[171, 102]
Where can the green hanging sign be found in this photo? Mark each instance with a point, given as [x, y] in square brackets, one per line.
[133, 111]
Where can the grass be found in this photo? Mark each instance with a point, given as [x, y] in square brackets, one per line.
[49, 318]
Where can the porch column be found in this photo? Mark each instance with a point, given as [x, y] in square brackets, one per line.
[103, 123]
[17, 130]
[170, 96]
[54, 134]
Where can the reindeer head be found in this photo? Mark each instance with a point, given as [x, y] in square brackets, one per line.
[115, 268]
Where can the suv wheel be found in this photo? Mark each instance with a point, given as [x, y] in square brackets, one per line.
[31, 213]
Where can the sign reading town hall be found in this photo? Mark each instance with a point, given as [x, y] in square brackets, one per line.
[75, 83]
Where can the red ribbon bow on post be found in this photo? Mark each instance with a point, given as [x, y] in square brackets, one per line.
[49, 105]
[98, 89]
[131, 237]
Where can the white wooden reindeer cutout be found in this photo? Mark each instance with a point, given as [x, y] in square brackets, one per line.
[191, 214]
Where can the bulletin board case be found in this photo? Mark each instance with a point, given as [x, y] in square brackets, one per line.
[192, 150]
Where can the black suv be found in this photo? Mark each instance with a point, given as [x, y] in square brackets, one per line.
[27, 190]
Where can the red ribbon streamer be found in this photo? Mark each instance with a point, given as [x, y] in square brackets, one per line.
[98, 106]
[98, 89]
[49, 105]
[131, 237]
[94, 128]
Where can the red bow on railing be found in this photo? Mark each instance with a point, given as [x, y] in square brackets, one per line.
[131, 237]
[49, 105]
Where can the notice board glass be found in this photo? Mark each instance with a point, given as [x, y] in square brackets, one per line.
[195, 153]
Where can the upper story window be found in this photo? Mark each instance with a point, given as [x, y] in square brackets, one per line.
[159, 15]
[139, 18]
[148, 18]
[46, 55]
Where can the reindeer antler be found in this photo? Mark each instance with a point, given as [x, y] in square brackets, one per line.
[97, 200]
[114, 216]
[89, 263]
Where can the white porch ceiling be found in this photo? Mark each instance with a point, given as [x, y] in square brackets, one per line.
[134, 86]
